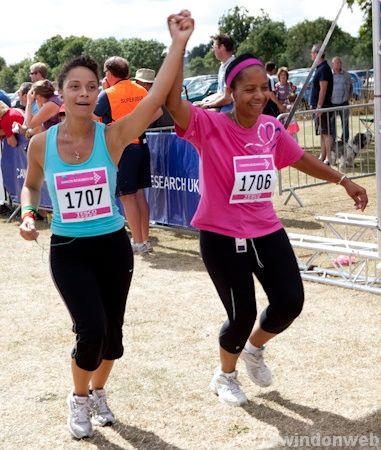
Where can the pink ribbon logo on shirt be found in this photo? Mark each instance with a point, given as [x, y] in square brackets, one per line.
[266, 133]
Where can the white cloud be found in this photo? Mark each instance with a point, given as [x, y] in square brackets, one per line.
[23, 33]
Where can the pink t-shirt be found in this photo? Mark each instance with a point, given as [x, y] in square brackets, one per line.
[218, 140]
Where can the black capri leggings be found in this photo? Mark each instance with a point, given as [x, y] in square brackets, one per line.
[232, 275]
[93, 276]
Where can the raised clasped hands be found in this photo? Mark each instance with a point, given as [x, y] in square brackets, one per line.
[181, 25]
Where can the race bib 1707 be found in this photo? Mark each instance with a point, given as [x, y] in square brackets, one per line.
[83, 194]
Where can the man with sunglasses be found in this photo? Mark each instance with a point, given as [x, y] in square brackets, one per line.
[37, 71]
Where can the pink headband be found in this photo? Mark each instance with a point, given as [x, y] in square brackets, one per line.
[239, 67]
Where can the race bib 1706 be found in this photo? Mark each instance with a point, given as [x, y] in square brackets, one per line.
[254, 178]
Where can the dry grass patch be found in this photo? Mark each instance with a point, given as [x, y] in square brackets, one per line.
[326, 366]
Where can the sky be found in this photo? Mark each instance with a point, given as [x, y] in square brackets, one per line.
[23, 32]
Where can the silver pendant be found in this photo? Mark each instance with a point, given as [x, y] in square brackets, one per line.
[77, 156]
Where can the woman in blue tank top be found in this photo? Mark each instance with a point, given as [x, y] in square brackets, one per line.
[90, 255]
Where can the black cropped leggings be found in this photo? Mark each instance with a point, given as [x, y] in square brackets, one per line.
[93, 276]
[232, 275]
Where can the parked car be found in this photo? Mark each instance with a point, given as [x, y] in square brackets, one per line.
[200, 87]
[364, 74]
[298, 77]
[357, 85]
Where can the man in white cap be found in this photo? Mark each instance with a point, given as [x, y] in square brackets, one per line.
[145, 77]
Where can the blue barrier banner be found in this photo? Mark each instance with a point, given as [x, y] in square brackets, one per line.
[174, 195]
[13, 166]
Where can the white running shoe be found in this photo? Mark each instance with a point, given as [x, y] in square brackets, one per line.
[100, 411]
[149, 245]
[139, 248]
[227, 387]
[79, 421]
[256, 367]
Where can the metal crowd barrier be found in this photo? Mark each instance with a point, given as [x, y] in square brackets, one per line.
[353, 151]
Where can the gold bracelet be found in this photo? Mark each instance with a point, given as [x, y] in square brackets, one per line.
[341, 179]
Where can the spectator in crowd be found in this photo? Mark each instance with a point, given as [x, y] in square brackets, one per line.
[341, 94]
[4, 97]
[146, 77]
[283, 88]
[49, 104]
[293, 126]
[240, 233]
[320, 97]
[273, 106]
[38, 71]
[90, 254]
[7, 118]
[22, 94]
[134, 174]
[222, 47]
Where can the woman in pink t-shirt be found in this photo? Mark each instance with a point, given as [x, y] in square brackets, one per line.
[240, 233]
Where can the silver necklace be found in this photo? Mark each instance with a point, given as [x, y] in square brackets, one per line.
[235, 118]
[75, 155]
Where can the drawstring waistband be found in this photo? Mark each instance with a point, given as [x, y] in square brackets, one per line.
[260, 265]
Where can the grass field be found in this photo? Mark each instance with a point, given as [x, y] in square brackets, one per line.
[326, 366]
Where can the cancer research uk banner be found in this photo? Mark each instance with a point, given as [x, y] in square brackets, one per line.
[13, 166]
[174, 195]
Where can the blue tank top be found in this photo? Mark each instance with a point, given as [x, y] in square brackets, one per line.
[82, 195]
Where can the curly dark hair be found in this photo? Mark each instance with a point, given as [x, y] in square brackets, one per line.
[80, 61]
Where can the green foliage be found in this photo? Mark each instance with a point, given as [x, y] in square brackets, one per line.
[201, 50]
[304, 35]
[237, 24]
[7, 79]
[50, 50]
[141, 53]
[202, 66]
[259, 35]
[101, 49]
[3, 63]
[268, 41]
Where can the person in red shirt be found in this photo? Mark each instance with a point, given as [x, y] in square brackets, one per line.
[7, 117]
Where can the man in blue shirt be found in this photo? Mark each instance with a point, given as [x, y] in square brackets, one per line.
[321, 92]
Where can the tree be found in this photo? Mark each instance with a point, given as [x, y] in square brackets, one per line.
[363, 49]
[268, 42]
[200, 51]
[73, 46]
[143, 53]
[101, 49]
[302, 36]
[7, 79]
[49, 52]
[237, 24]
[2, 62]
